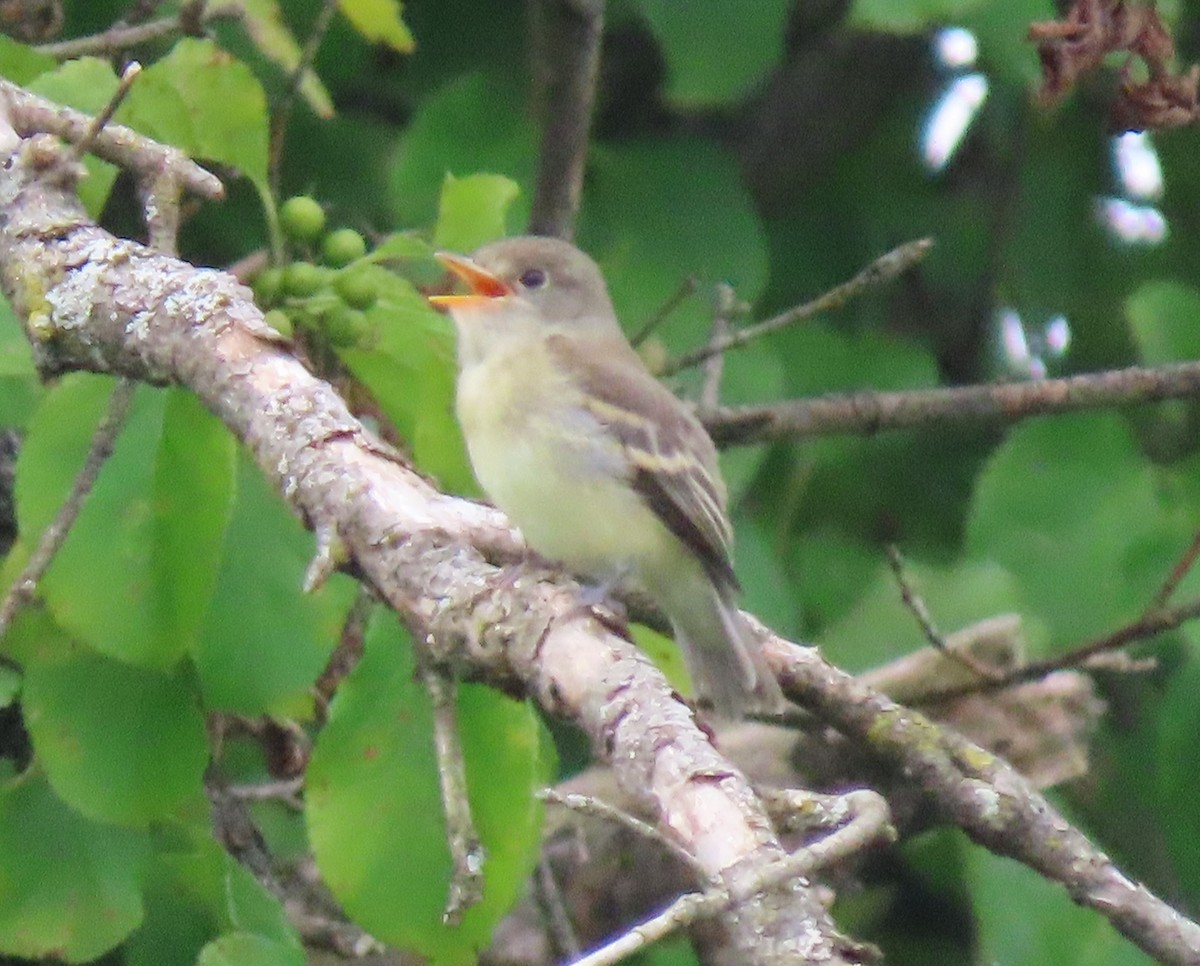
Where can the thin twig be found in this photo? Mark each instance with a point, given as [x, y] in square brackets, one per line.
[867, 413]
[348, 652]
[286, 791]
[986, 797]
[1150, 624]
[558, 919]
[283, 113]
[466, 851]
[81, 147]
[868, 823]
[567, 48]
[799, 810]
[1155, 619]
[916, 606]
[120, 38]
[103, 439]
[589, 805]
[29, 114]
[1178, 572]
[725, 304]
[883, 269]
[687, 288]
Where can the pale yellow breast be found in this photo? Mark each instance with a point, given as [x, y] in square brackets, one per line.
[553, 468]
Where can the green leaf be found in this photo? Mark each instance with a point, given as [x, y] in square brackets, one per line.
[690, 37]
[373, 780]
[10, 686]
[16, 358]
[473, 210]
[152, 524]
[69, 888]
[195, 891]
[880, 628]
[259, 617]
[247, 949]
[410, 370]
[1165, 319]
[119, 743]
[20, 388]
[473, 124]
[1071, 509]
[657, 212]
[1003, 33]
[21, 64]
[1174, 759]
[909, 16]
[1023, 920]
[379, 21]
[264, 25]
[193, 501]
[203, 101]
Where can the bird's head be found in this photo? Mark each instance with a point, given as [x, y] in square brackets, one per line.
[541, 279]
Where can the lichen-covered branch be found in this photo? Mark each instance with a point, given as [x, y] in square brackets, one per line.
[92, 301]
[865, 413]
[986, 797]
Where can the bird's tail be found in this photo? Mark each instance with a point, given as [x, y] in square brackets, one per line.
[724, 655]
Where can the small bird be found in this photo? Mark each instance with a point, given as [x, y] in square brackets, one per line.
[597, 462]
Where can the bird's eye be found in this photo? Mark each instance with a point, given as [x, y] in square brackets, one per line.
[532, 278]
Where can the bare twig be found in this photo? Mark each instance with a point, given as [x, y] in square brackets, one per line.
[1150, 624]
[122, 37]
[725, 304]
[866, 413]
[567, 49]
[283, 112]
[987, 798]
[590, 805]
[883, 269]
[348, 652]
[687, 288]
[130, 74]
[103, 440]
[558, 919]
[466, 851]
[868, 823]
[916, 606]
[1178, 572]
[30, 114]
[286, 791]
[322, 931]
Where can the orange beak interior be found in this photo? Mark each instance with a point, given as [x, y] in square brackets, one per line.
[484, 285]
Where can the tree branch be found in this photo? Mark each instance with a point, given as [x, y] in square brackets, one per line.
[987, 798]
[883, 269]
[49, 543]
[567, 59]
[112, 305]
[866, 413]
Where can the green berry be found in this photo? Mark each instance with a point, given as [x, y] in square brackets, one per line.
[302, 219]
[343, 246]
[302, 279]
[267, 286]
[344, 326]
[358, 289]
[280, 321]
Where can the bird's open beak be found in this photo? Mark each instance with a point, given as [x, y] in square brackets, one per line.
[484, 285]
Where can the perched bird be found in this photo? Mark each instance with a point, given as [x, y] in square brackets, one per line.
[600, 465]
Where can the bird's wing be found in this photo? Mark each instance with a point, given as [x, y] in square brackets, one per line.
[673, 463]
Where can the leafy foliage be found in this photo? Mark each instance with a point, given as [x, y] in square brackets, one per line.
[766, 144]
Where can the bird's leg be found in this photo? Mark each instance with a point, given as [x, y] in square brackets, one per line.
[596, 597]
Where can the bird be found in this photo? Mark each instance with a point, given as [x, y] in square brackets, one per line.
[600, 465]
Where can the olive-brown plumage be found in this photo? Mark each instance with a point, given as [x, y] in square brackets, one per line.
[593, 458]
